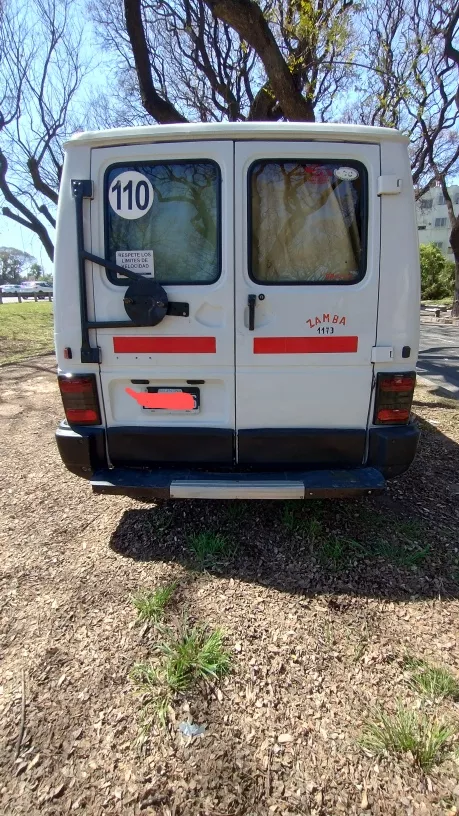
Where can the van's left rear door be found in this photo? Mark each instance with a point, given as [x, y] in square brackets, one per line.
[166, 210]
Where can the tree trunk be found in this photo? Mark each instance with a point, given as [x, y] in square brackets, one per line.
[454, 241]
[250, 22]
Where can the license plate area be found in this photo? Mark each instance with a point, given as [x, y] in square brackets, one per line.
[193, 402]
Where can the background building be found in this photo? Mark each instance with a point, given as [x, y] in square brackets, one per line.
[432, 217]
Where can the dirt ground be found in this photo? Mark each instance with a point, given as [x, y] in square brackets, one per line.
[318, 634]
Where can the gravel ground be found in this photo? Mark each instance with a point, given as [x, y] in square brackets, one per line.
[318, 634]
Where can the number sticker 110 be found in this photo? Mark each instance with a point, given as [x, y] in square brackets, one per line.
[131, 195]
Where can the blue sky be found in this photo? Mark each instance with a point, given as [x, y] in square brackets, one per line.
[13, 235]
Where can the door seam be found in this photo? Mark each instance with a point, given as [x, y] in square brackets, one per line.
[236, 436]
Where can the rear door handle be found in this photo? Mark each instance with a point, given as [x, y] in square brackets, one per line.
[252, 299]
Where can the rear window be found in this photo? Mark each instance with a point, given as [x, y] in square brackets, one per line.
[307, 222]
[163, 220]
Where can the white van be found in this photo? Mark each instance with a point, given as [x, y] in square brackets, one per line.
[237, 310]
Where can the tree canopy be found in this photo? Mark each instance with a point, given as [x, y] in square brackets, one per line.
[16, 266]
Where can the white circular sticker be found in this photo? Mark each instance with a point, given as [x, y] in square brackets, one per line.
[130, 194]
[346, 173]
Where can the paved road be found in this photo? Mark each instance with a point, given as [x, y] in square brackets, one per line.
[439, 356]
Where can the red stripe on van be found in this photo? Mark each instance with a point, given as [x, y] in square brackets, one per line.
[164, 345]
[305, 345]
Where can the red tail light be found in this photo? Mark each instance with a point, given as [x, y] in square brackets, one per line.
[394, 395]
[80, 399]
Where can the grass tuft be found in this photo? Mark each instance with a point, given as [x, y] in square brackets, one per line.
[236, 510]
[402, 555]
[336, 551]
[300, 519]
[150, 606]
[433, 682]
[194, 655]
[407, 733]
[208, 548]
[411, 530]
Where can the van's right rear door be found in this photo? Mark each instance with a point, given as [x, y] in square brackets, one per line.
[306, 305]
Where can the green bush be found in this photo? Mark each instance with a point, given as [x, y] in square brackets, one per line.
[437, 273]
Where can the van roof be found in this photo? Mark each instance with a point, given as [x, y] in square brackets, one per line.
[237, 130]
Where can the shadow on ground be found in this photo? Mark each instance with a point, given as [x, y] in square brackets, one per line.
[401, 545]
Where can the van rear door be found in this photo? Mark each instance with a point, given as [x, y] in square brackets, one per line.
[166, 211]
[306, 305]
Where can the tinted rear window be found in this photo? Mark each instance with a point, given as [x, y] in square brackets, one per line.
[307, 222]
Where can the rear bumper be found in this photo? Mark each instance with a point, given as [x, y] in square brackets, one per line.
[391, 451]
[172, 484]
[82, 450]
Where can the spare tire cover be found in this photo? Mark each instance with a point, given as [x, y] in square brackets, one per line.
[146, 302]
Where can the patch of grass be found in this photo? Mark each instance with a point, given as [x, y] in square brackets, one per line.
[336, 551]
[208, 548]
[150, 606]
[369, 518]
[433, 682]
[312, 528]
[297, 519]
[445, 301]
[290, 517]
[26, 330]
[407, 733]
[147, 681]
[401, 554]
[411, 530]
[196, 654]
[236, 510]
[193, 655]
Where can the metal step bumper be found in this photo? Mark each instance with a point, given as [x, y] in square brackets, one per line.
[174, 484]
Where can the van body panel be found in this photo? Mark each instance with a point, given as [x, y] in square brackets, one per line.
[400, 284]
[66, 295]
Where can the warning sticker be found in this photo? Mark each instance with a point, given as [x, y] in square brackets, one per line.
[138, 260]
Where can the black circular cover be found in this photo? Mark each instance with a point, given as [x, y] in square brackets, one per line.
[145, 301]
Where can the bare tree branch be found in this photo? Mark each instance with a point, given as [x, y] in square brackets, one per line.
[44, 209]
[160, 109]
[40, 185]
[29, 220]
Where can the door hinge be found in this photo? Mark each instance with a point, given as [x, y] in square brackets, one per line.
[389, 185]
[382, 354]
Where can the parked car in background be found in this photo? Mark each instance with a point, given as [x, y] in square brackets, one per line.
[10, 288]
[39, 288]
